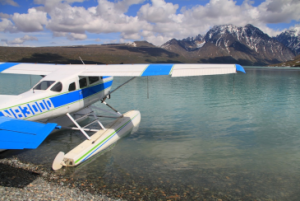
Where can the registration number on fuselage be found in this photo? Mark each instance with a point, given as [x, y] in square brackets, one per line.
[29, 109]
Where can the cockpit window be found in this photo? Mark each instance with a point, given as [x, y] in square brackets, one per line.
[44, 85]
[57, 87]
[93, 79]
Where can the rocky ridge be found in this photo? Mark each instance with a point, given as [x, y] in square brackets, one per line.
[291, 39]
[246, 45]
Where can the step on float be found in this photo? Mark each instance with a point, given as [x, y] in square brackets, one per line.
[99, 141]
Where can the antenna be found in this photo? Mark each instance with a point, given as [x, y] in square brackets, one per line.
[81, 60]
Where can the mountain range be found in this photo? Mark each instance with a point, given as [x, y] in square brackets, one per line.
[246, 45]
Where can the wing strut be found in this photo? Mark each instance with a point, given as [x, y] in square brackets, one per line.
[121, 85]
[105, 103]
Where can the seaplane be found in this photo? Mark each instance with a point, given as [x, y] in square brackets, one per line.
[65, 96]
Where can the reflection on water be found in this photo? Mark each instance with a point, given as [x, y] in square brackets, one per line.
[229, 137]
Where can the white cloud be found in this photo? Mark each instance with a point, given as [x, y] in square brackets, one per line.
[30, 22]
[279, 11]
[9, 2]
[59, 34]
[7, 26]
[133, 36]
[76, 36]
[18, 41]
[50, 4]
[68, 19]
[107, 17]
[159, 11]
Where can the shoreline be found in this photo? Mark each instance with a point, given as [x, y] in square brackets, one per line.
[24, 181]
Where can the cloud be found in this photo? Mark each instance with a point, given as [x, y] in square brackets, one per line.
[9, 2]
[279, 11]
[159, 11]
[50, 4]
[4, 15]
[156, 21]
[106, 7]
[18, 41]
[7, 26]
[31, 22]
[107, 17]
[76, 36]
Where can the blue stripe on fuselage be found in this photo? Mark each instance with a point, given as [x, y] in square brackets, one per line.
[71, 97]
[27, 110]
[5, 66]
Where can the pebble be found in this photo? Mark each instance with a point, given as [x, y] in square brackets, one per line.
[19, 181]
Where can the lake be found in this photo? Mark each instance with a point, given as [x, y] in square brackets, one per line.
[228, 137]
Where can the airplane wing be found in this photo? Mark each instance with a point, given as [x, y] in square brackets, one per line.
[22, 134]
[175, 70]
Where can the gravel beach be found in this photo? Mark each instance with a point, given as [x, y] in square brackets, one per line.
[20, 181]
[25, 181]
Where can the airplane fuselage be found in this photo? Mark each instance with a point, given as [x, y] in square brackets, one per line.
[55, 96]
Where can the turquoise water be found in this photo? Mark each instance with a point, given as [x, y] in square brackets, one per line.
[229, 137]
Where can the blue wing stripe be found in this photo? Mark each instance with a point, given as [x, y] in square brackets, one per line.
[239, 68]
[5, 66]
[157, 69]
[22, 134]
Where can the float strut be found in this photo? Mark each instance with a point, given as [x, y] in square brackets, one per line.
[78, 126]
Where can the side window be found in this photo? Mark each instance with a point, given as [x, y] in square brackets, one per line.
[72, 86]
[82, 82]
[93, 79]
[57, 87]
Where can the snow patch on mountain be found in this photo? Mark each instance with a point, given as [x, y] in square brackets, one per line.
[291, 39]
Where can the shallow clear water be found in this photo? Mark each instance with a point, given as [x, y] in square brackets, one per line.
[229, 137]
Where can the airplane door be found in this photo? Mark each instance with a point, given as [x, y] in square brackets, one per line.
[73, 96]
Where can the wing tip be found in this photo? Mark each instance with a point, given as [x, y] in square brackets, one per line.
[240, 68]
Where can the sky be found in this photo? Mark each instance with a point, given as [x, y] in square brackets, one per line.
[37, 23]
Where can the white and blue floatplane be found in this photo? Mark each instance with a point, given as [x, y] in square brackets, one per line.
[64, 96]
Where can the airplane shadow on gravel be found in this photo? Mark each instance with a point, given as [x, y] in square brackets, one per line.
[16, 177]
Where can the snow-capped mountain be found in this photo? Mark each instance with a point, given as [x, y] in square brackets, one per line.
[246, 45]
[188, 44]
[291, 39]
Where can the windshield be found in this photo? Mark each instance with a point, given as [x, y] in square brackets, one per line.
[44, 85]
